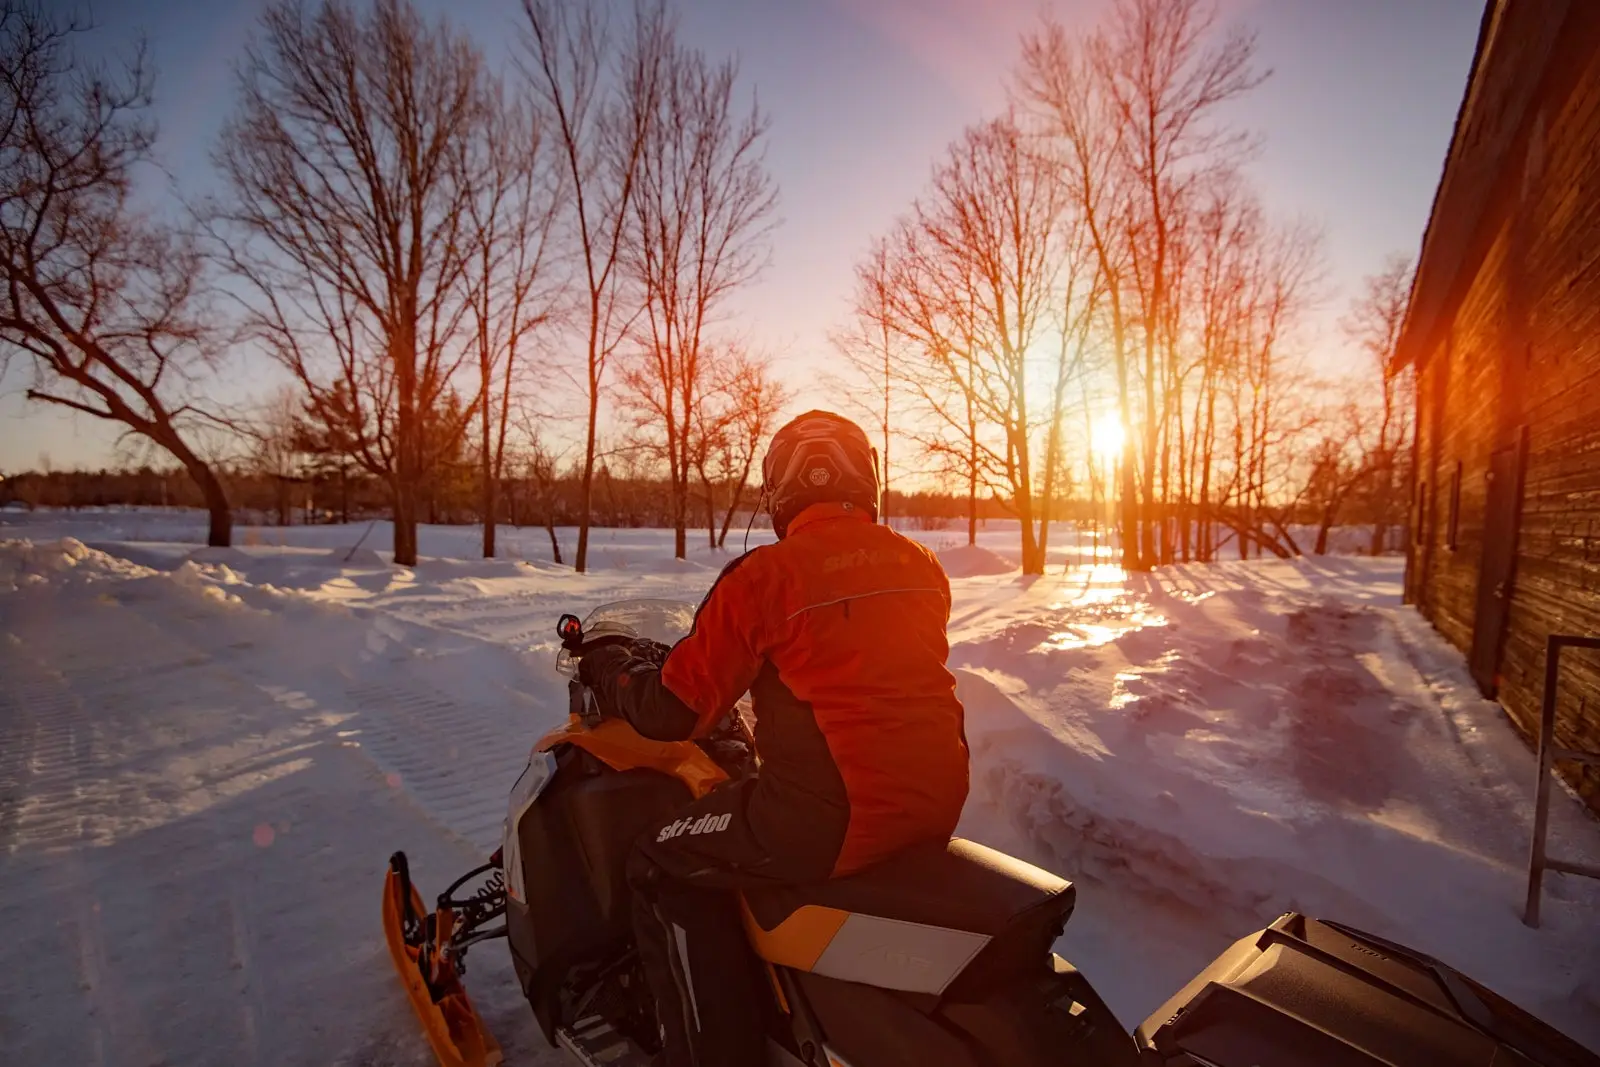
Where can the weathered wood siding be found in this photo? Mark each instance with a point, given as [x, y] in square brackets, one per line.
[1520, 352]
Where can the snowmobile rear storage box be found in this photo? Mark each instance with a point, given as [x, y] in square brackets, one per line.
[1309, 992]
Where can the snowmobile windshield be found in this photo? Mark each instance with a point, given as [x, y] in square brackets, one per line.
[658, 620]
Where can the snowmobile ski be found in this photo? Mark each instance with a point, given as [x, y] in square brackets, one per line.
[426, 949]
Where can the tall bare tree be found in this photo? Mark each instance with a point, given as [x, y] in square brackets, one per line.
[1373, 323]
[348, 173]
[975, 292]
[1061, 78]
[509, 284]
[702, 212]
[599, 93]
[1134, 108]
[874, 354]
[1166, 80]
[102, 300]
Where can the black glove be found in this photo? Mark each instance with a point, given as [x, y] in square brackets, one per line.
[599, 670]
[652, 652]
[625, 679]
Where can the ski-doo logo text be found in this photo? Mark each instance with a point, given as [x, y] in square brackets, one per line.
[705, 824]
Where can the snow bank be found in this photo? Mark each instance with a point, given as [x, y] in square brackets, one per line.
[26, 563]
[971, 561]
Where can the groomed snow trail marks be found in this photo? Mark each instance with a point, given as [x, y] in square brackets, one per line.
[189, 862]
[449, 754]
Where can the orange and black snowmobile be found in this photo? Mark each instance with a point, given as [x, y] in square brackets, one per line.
[940, 957]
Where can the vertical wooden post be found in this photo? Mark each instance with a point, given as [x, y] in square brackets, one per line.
[1538, 860]
[1541, 810]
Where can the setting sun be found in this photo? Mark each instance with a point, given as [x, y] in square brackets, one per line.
[1107, 436]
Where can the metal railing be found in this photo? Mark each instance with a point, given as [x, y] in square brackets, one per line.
[1538, 861]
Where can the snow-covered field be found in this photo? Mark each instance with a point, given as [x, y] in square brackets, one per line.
[207, 756]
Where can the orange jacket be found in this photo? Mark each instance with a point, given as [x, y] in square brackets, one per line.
[838, 631]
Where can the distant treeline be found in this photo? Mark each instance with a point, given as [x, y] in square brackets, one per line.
[350, 496]
[353, 496]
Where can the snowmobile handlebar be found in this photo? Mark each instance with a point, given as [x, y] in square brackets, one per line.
[570, 629]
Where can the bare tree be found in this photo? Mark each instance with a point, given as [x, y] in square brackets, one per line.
[874, 354]
[102, 301]
[1134, 109]
[599, 102]
[1166, 81]
[744, 400]
[347, 167]
[539, 467]
[1373, 324]
[276, 447]
[1061, 78]
[702, 211]
[938, 366]
[508, 279]
[1335, 467]
[974, 292]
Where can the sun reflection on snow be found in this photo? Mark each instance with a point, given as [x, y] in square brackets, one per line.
[1100, 610]
[1095, 634]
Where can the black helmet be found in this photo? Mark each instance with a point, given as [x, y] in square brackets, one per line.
[815, 458]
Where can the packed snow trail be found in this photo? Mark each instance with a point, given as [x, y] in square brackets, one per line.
[1199, 749]
[191, 859]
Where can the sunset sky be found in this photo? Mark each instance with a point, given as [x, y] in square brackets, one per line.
[864, 94]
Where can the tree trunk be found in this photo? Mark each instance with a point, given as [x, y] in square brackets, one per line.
[220, 526]
[711, 516]
[555, 544]
[972, 501]
[405, 522]
[408, 439]
[1321, 548]
[738, 496]
[490, 506]
[486, 469]
[883, 498]
[580, 560]
[1032, 561]
[680, 519]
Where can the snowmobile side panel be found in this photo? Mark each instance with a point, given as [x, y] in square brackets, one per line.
[575, 843]
[863, 1024]
[1306, 992]
[1054, 1017]
[449, 1021]
[622, 748]
[799, 940]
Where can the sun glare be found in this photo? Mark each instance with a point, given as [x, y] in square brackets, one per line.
[1107, 436]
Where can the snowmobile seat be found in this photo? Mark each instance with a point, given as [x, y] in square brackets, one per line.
[938, 918]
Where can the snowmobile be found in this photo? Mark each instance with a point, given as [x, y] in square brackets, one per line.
[939, 957]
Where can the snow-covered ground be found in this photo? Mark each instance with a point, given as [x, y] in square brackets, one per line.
[206, 757]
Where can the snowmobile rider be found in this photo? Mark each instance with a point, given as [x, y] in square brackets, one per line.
[838, 633]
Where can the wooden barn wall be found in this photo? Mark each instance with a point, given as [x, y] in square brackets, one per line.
[1523, 349]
